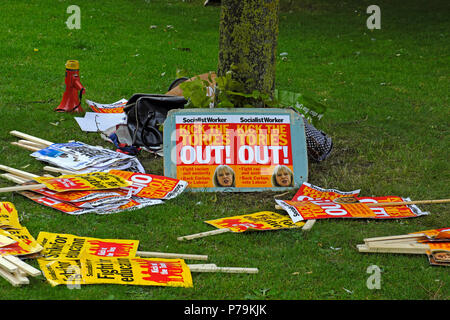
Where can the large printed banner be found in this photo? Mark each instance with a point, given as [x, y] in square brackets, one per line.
[259, 221]
[68, 246]
[128, 271]
[242, 151]
[312, 202]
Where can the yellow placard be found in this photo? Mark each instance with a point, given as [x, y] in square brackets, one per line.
[25, 243]
[262, 221]
[130, 271]
[86, 181]
[68, 246]
[8, 216]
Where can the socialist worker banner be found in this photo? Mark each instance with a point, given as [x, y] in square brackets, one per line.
[234, 151]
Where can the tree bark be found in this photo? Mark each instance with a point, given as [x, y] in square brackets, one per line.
[248, 43]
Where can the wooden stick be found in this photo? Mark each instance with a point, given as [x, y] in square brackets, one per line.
[32, 144]
[402, 236]
[25, 146]
[13, 178]
[8, 266]
[25, 267]
[59, 170]
[405, 203]
[308, 225]
[204, 234]
[224, 269]
[30, 138]
[22, 188]
[11, 278]
[149, 254]
[364, 248]
[18, 172]
[200, 265]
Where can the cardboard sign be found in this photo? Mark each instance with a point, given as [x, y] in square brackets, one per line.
[393, 212]
[69, 208]
[68, 246]
[128, 271]
[84, 158]
[115, 107]
[87, 181]
[260, 221]
[151, 186]
[82, 196]
[24, 243]
[321, 209]
[308, 191]
[235, 150]
[316, 197]
[8, 216]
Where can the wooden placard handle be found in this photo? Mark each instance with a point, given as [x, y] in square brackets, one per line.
[149, 254]
[405, 203]
[204, 234]
[23, 188]
[31, 138]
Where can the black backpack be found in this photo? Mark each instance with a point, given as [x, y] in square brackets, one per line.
[145, 116]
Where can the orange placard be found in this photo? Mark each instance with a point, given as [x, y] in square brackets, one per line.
[321, 209]
[86, 181]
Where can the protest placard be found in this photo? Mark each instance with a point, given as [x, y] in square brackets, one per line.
[128, 271]
[115, 107]
[249, 150]
[323, 203]
[68, 246]
[258, 221]
[87, 181]
[83, 158]
[24, 243]
[151, 186]
[9, 218]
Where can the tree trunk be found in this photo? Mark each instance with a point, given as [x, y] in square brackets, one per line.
[248, 42]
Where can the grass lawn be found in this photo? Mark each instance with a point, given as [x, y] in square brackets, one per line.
[387, 93]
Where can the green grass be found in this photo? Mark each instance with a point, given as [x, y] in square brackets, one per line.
[387, 92]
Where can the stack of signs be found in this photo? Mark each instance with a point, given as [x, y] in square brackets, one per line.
[73, 261]
[115, 107]
[104, 193]
[434, 243]
[83, 158]
[21, 243]
[312, 202]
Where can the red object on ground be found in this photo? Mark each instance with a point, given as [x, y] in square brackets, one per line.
[71, 101]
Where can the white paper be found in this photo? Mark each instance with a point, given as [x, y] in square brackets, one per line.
[100, 122]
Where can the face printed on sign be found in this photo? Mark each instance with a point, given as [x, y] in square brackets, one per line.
[282, 177]
[224, 176]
